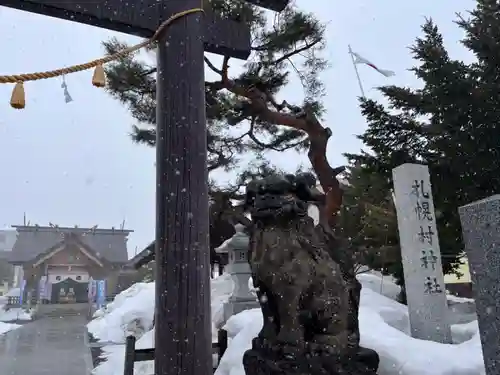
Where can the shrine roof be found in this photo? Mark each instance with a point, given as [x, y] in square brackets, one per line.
[32, 241]
[143, 257]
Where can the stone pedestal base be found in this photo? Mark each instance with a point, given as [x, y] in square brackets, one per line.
[235, 306]
[264, 359]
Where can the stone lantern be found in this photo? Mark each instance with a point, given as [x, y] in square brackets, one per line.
[237, 248]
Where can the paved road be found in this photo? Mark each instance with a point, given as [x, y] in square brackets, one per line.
[47, 346]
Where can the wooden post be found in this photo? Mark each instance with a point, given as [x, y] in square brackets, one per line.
[128, 367]
[222, 339]
[182, 320]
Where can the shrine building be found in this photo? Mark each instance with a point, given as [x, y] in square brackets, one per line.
[57, 262]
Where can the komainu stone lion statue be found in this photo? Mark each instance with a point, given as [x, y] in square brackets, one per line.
[303, 296]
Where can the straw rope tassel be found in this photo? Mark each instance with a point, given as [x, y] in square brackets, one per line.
[18, 99]
[99, 78]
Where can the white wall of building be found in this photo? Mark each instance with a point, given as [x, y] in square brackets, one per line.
[57, 274]
[18, 276]
[8, 238]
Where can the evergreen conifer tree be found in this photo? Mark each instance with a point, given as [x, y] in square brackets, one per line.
[450, 124]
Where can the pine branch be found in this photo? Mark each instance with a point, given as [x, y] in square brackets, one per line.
[309, 124]
[297, 51]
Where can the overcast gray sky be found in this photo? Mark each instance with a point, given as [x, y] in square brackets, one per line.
[75, 164]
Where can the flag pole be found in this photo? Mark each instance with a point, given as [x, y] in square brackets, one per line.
[357, 73]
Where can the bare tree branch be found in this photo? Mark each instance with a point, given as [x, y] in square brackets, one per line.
[297, 51]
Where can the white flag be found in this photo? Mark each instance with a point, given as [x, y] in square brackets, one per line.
[361, 60]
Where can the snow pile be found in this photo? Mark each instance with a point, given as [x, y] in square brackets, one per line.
[12, 314]
[6, 327]
[14, 292]
[221, 288]
[383, 322]
[130, 313]
[385, 328]
[115, 355]
[384, 285]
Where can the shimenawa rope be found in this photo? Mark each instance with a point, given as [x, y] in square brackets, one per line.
[18, 100]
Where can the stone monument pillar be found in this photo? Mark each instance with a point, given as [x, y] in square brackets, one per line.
[420, 253]
[239, 269]
[481, 232]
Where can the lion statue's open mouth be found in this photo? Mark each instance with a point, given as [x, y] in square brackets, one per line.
[278, 198]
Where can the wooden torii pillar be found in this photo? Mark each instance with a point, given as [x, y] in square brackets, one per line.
[182, 318]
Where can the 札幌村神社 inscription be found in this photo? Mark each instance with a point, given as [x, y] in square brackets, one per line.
[182, 224]
[420, 253]
[425, 216]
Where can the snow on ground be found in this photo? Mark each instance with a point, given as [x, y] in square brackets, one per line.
[115, 356]
[385, 328]
[10, 315]
[15, 313]
[6, 327]
[221, 288]
[384, 285]
[14, 292]
[383, 323]
[132, 312]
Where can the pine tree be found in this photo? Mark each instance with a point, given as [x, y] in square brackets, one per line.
[368, 222]
[243, 114]
[449, 124]
[292, 44]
